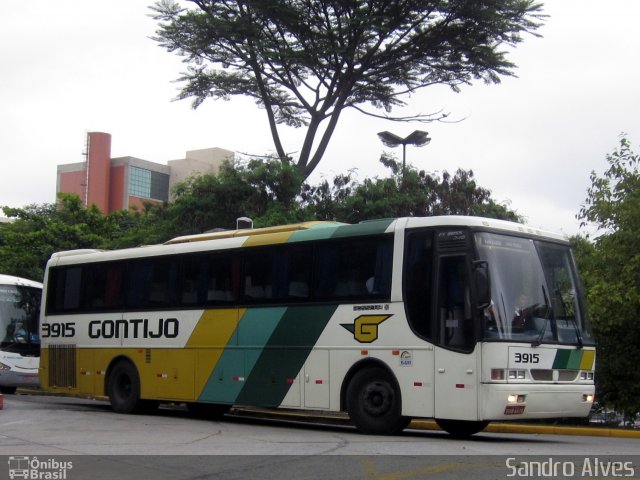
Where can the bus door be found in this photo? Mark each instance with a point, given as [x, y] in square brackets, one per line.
[456, 369]
[418, 301]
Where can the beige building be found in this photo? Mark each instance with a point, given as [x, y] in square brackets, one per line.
[198, 162]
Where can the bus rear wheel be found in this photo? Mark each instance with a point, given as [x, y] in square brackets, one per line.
[124, 389]
[8, 390]
[461, 428]
[374, 403]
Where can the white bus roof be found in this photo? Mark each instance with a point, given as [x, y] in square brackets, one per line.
[11, 280]
[280, 234]
[481, 222]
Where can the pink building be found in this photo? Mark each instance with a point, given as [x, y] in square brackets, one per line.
[114, 184]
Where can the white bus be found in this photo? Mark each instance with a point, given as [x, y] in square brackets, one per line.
[19, 340]
[465, 320]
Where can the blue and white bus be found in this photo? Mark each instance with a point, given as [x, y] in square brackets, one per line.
[19, 338]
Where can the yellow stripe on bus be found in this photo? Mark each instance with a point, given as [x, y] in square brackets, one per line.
[210, 337]
[267, 239]
[588, 357]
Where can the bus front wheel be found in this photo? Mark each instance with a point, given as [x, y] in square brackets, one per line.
[374, 403]
[124, 388]
[461, 428]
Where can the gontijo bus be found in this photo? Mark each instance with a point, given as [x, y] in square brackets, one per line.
[465, 320]
[19, 341]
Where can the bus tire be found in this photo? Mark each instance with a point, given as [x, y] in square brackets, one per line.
[124, 388]
[461, 428]
[207, 411]
[8, 390]
[374, 403]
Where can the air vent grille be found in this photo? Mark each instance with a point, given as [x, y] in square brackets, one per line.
[62, 366]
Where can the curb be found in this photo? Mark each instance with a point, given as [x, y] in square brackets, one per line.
[426, 424]
[562, 430]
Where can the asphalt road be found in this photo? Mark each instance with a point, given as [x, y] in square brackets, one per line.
[172, 444]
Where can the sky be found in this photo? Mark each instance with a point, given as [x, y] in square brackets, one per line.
[69, 67]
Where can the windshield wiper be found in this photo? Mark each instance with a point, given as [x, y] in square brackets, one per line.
[577, 330]
[548, 311]
[573, 321]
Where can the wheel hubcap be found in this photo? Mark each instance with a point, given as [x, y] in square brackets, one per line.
[378, 399]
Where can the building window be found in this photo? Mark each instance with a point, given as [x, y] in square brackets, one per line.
[148, 184]
[139, 182]
[159, 186]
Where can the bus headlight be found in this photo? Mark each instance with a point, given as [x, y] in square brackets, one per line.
[4, 367]
[516, 398]
[586, 376]
[517, 374]
[497, 374]
[587, 397]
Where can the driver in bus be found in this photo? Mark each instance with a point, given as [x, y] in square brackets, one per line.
[522, 317]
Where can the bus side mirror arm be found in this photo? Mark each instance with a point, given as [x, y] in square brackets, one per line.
[482, 283]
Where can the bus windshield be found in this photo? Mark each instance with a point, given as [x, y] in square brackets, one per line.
[536, 294]
[19, 318]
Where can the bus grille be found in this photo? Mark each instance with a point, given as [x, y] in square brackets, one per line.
[62, 366]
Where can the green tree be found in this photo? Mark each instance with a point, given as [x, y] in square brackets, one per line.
[305, 61]
[270, 191]
[412, 193]
[38, 231]
[266, 191]
[152, 225]
[611, 270]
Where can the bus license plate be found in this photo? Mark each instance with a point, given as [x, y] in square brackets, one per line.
[514, 409]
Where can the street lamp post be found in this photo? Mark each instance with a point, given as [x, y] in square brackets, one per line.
[418, 138]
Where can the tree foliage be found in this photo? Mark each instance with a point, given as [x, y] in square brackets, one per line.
[611, 271]
[305, 61]
[266, 191]
[39, 231]
[271, 192]
[412, 193]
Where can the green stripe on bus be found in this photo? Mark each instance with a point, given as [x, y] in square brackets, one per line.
[574, 359]
[568, 359]
[244, 348]
[562, 357]
[321, 231]
[285, 354]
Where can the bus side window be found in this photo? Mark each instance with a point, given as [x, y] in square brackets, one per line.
[151, 283]
[293, 274]
[258, 276]
[102, 285]
[356, 270]
[219, 280]
[193, 277]
[417, 283]
[454, 304]
[68, 288]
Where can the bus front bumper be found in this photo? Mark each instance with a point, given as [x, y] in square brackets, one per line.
[18, 379]
[534, 401]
